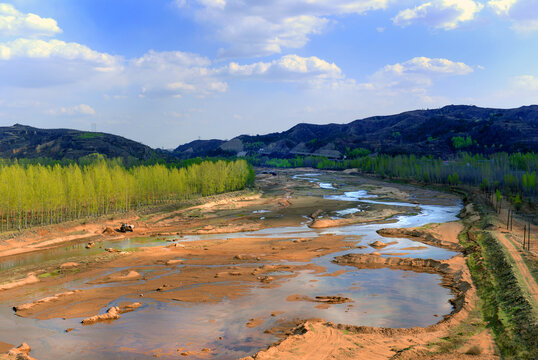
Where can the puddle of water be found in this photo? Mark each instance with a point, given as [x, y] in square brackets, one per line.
[326, 185]
[347, 211]
[75, 249]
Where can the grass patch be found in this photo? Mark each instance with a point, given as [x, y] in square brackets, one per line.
[49, 274]
[503, 304]
[90, 135]
[460, 334]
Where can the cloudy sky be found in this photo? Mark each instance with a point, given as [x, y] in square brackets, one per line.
[165, 72]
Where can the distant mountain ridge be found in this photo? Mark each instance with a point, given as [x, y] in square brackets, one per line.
[438, 132]
[420, 132]
[21, 141]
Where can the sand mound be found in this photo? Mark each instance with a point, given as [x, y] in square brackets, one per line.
[378, 244]
[21, 309]
[119, 276]
[69, 265]
[421, 236]
[363, 217]
[30, 279]
[255, 322]
[112, 314]
[108, 231]
[19, 353]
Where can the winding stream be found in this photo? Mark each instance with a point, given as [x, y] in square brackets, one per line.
[381, 297]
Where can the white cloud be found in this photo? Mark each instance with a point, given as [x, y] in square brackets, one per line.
[27, 61]
[522, 13]
[33, 48]
[501, 6]
[525, 82]
[416, 74]
[174, 74]
[443, 14]
[289, 67]
[426, 65]
[269, 27]
[13, 23]
[82, 109]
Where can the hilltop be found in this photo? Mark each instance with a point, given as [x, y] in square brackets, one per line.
[20, 141]
[439, 132]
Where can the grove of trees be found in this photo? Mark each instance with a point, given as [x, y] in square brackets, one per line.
[35, 194]
[512, 174]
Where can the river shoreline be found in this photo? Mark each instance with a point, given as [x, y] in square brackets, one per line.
[174, 269]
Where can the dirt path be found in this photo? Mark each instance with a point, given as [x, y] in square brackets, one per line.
[515, 250]
[515, 253]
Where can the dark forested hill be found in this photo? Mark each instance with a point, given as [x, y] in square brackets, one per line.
[439, 132]
[21, 141]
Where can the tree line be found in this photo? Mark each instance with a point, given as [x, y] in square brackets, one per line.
[512, 174]
[35, 194]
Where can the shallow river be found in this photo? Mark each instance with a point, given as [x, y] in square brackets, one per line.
[381, 297]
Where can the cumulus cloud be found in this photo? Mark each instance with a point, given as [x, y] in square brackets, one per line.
[82, 109]
[501, 6]
[415, 74]
[522, 13]
[174, 73]
[14, 23]
[44, 49]
[27, 60]
[426, 65]
[269, 27]
[289, 67]
[443, 14]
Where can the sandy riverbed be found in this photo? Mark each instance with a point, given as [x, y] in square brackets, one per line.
[223, 268]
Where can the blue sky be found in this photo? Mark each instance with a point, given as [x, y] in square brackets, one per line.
[165, 72]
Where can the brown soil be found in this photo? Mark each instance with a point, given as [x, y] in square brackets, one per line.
[362, 217]
[30, 279]
[5, 347]
[321, 340]
[82, 303]
[254, 322]
[112, 314]
[228, 268]
[18, 353]
[441, 235]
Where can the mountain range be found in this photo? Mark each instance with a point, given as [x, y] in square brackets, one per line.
[438, 132]
[420, 132]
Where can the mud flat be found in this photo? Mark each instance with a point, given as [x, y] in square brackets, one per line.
[215, 280]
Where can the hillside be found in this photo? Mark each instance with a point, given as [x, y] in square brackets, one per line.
[420, 132]
[20, 141]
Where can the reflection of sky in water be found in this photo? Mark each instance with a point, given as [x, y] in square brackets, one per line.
[347, 211]
[382, 297]
[326, 185]
[261, 211]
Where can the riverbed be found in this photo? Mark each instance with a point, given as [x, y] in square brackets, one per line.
[231, 327]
